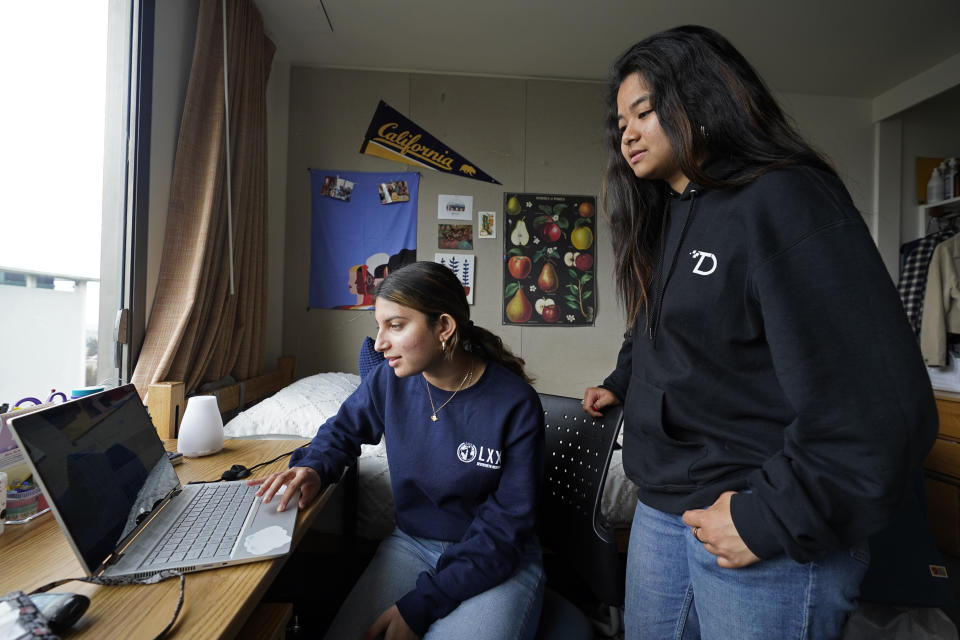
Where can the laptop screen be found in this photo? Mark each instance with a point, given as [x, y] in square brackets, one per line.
[101, 465]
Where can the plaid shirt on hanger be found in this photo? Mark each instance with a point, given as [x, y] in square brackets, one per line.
[913, 275]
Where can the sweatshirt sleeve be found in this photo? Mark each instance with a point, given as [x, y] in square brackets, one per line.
[865, 416]
[618, 381]
[490, 550]
[337, 443]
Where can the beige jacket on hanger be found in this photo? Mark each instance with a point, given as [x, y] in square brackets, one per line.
[941, 302]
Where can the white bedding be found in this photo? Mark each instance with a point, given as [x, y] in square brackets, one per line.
[297, 410]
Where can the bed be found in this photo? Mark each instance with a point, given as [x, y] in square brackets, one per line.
[276, 407]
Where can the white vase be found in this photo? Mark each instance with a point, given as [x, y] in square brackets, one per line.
[201, 430]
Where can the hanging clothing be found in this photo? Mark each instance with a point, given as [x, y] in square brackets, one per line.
[941, 302]
[913, 274]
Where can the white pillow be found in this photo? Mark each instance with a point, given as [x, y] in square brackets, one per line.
[296, 410]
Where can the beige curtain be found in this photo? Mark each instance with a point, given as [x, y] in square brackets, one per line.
[197, 331]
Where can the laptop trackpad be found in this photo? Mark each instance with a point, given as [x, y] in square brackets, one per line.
[266, 540]
[271, 530]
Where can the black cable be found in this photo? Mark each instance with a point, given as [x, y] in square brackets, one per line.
[282, 455]
[239, 472]
[160, 576]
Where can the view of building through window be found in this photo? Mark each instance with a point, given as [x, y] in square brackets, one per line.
[54, 61]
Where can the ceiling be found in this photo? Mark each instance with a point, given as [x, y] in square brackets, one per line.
[855, 48]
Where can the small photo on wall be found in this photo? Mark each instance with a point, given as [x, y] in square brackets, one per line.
[455, 236]
[336, 187]
[462, 265]
[391, 192]
[487, 224]
[454, 207]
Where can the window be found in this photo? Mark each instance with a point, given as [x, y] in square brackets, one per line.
[66, 208]
[13, 278]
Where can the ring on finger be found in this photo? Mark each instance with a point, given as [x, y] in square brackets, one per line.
[696, 534]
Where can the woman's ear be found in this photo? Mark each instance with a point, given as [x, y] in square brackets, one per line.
[447, 327]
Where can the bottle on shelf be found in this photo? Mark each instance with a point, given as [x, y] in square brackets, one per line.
[950, 178]
[935, 187]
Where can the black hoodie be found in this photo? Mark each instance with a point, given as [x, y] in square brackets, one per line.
[777, 362]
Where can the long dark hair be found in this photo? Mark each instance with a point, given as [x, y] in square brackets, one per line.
[710, 103]
[433, 289]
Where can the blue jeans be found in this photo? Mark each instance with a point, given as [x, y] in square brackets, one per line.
[675, 589]
[509, 610]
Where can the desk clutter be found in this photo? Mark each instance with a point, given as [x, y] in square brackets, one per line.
[23, 501]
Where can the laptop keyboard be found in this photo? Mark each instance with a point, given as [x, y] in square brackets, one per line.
[208, 528]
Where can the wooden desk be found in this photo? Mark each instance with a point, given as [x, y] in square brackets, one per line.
[216, 603]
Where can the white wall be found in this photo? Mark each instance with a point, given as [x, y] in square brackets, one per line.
[841, 129]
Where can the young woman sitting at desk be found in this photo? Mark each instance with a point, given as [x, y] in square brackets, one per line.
[464, 435]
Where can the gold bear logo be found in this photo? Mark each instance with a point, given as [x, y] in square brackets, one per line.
[467, 169]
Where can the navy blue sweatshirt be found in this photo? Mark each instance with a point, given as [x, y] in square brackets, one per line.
[472, 477]
[778, 363]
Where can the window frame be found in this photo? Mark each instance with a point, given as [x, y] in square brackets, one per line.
[123, 259]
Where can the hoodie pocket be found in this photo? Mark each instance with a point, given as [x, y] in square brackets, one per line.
[651, 457]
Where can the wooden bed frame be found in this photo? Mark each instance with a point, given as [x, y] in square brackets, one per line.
[166, 401]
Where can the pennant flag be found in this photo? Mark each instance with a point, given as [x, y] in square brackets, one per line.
[394, 137]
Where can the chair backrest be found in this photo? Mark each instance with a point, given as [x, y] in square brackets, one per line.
[578, 450]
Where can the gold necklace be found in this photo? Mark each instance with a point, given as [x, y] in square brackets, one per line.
[466, 380]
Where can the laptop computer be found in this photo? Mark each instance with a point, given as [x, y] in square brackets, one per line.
[120, 503]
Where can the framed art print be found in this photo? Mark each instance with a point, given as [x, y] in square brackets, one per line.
[549, 251]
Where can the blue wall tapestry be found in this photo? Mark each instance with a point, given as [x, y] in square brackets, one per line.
[358, 233]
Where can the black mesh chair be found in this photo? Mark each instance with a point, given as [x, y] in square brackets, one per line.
[573, 531]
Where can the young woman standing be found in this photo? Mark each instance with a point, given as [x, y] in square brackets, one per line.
[776, 404]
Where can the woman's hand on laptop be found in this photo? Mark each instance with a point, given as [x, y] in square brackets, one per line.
[303, 478]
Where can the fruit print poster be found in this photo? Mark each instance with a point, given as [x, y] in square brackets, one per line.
[549, 251]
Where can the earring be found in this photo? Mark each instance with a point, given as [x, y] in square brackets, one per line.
[443, 345]
[703, 132]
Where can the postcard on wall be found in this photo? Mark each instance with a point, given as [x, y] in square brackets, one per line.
[391, 192]
[337, 187]
[487, 225]
[455, 236]
[462, 265]
[454, 207]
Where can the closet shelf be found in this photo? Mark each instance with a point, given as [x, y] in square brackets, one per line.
[942, 207]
